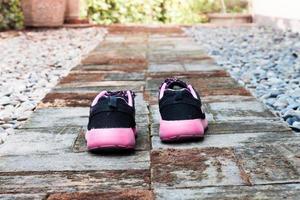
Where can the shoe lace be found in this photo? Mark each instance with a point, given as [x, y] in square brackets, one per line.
[168, 81]
[120, 93]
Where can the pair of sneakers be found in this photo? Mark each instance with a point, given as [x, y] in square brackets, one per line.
[112, 117]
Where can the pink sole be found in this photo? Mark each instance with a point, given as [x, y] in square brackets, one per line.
[110, 138]
[182, 129]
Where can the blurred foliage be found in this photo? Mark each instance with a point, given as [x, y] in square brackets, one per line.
[134, 11]
[157, 11]
[236, 6]
[120, 11]
[11, 16]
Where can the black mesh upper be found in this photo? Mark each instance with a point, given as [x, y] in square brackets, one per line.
[180, 105]
[111, 113]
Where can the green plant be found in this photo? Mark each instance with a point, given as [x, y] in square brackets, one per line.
[156, 11]
[184, 11]
[203, 7]
[236, 6]
[11, 16]
[148, 11]
[120, 11]
[231, 6]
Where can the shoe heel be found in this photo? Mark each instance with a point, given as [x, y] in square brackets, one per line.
[182, 129]
[110, 138]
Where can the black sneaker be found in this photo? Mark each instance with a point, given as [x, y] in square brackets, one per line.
[181, 113]
[112, 121]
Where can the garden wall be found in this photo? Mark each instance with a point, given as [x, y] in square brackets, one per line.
[282, 14]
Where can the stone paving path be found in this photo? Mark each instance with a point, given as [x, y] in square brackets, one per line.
[248, 153]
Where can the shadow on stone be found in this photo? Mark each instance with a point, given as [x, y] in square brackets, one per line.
[112, 152]
[184, 140]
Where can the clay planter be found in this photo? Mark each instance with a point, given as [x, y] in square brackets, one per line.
[76, 12]
[229, 18]
[43, 13]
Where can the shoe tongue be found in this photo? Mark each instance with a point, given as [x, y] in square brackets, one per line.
[171, 83]
[119, 94]
[181, 90]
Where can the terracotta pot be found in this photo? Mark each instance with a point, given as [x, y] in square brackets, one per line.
[76, 12]
[229, 19]
[43, 13]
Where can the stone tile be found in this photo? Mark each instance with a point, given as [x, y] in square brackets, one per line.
[239, 127]
[162, 55]
[22, 196]
[183, 52]
[264, 192]
[156, 47]
[158, 67]
[137, 40]
[113, 38]
[142, 140]
[213, 83]
[154, 114]
[262, 157]
[120, 48]
[62, 117]
[142, 119]
[203, 66]
[151, 97]
[248, 126]
[91, 88]
[266, 157]
[227, 98]
[203, 61]
[141, 105]
[155, 29]
[162, 36]
[181, 75]
[174, 58]
[114, 47]
[115, 57]
[166, 54]
[164, 44]
[51, 149]
[134, 76]
[210, 86]
[188, 47]
[71, 161]
[54, 99]
[274, 138]
[228, 140]
[179, 42]
[109, 45]
[271, 162]
[40, 141]
[56, 117]
[241, 111]
[227, 91]
[219, 141]
[122, 194]
[84, 100]
[84, 77]
[74, 181]
[103, 84]
[194, 168]
[133, 67]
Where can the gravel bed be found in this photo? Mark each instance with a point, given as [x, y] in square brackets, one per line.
[32, 63]
[263, 59]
